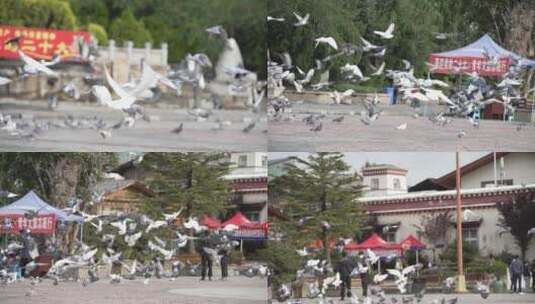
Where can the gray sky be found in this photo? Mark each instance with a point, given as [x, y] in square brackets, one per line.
[421, 165]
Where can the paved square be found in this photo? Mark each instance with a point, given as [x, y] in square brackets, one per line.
[144, 136]
[184, 290]
[528, 298]
[288, 135]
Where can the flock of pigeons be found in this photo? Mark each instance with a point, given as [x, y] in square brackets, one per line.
[124, 97]
[316, 270]
[461, 101]
[133, 230]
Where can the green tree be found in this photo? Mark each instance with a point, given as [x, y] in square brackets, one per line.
[128, 28]
[56, 177]
[55, 14]
[193, 181]
[98, 32]
[321, 189]
[517, 219]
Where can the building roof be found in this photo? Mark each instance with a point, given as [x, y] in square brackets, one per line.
[107, 186]
[442, 200]
[272, 162]
[448, 180]
[382, 166]
[382, 169]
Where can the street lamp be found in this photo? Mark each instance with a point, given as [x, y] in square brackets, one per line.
[461, 283]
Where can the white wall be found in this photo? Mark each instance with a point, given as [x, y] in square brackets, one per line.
[518, 166]
[386, 185]
[254, 166]
[491, 240]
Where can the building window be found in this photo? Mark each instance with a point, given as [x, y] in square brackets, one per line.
[242, 161]
[470, 236]
[264, 161]
[374, 184]
[397, 184]
[505, 182]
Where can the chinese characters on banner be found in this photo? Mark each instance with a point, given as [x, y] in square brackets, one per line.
[42, 43]
[41, 224]
[252, 232]
[447, 65]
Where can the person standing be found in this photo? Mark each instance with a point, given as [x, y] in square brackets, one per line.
[28, 251]
[344, 268]
[527, 275]
[225, 259]
[363, 273]
[516, 270]
[206, 264]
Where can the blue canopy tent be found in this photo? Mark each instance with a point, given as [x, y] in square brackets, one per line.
[474, 57]
[43, 222]
[31, 202]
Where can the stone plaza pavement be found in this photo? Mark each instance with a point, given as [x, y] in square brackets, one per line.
[292, 134]
[528, 298]
[144, 136]
[184, 290]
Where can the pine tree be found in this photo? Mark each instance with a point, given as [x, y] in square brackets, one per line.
[319, 190]
[193, 181]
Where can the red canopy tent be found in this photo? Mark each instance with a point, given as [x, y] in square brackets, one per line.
[377, 245]
[352, 246]
[247, 229]
[210, 222]
[411, 243]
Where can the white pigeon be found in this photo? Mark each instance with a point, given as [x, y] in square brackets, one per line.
[31, 66]
[269, 18]
[368, 46]
[372, 257]
[132, 239]
[167, 254]
[121, 225]
[192, 223]
[339, 98]
[388, 34]
[301, 21]
[4, 81]
[98, 226]
[402, 127]
[172, 216]
[303, 252]
[378, 278]
[154, 224]
[327, 40]
[353, 70]
[103, 95]
[380, 70]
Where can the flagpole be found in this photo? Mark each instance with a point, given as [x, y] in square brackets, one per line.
[461, 283]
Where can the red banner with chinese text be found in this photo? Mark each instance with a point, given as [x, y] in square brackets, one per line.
[40, 224]
[41, 43]
[447, 65]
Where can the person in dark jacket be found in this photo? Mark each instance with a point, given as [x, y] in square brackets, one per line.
[344, 268]
[28, 245]
[206, 260]
[225, 260]
[363, 273]
[516, 270]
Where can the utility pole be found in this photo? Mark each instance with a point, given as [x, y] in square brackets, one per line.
[461, 283]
